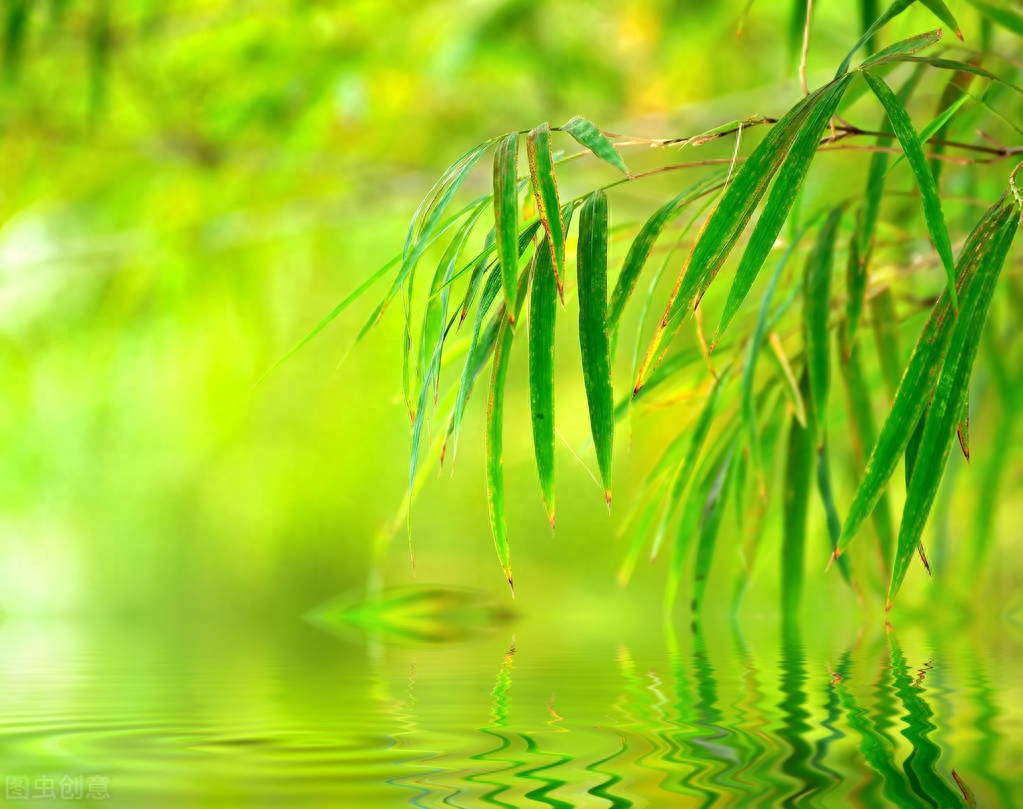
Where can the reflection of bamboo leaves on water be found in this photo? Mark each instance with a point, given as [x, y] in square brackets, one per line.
[499, 721]
[795, 727]
[548, 784]
[921, 764]
[603, 789]
[990, 737]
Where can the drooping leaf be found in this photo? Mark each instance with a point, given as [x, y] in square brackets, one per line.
[594, 340]
[506, 215]
[911, 146]
[779, 201]
[951, 392]
[494, 443]
[940, 10]
[855, 289]
[917, 384]
[816, 309]
[543, 305]
[724, 226]
[593, 139]
[545, 190]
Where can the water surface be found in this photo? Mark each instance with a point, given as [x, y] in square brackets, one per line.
[540, 711]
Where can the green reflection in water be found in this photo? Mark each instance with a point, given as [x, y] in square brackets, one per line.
[562, 717]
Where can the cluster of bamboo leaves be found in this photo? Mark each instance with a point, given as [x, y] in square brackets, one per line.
[519, 282]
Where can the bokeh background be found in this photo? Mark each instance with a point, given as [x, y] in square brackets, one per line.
[188, 187]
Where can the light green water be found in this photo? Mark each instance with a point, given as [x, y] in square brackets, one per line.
[538, 711]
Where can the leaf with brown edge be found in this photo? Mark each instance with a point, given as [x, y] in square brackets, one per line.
[506, 214]
[941, 11]
[594, 340]
[723, 227]
[917, 384]
[951, 392]
[906, 47]
[545, 190]
[963, 429]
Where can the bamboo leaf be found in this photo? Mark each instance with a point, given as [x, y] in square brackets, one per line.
[950, 394]
[904, 48]
[594, 340]
[885, 321]
[593, 139]
[890, 13]
[917, 384]
[779, 202]
[494, 444]
[495, 450]
[724, 226]
[543, 305]
[816, 308]
[914, 152]
[545, 189]
[792, 387]
[639, 251]
[506, 214]
[798, 483]
[940, 10]
[855, 289]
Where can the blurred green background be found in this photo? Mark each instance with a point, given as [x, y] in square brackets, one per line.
[188, 187]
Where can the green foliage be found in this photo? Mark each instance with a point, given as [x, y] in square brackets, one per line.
[723, 448]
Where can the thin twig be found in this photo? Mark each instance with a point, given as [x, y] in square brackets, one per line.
[806, 48]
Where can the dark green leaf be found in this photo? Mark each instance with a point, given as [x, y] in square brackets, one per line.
[594, 340]
[506, 214]
[951, 392]
[799, 460]
[710, 522]
[545, 190]
[779, 202]
[903, 48]
[940, 10]
[543, 305]
[914, 152]
[917, 384]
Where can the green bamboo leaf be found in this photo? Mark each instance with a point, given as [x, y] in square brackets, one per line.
[904, 48]
[913, 447]
[494, 444]
[594, 340]
[543, 305]
[710, 523]
[639, 251]
[545, 190]
[940, 10]
[890, 13]
[816, 309]
[1009, 18]
[593, 139]
[724, 226]
[779, 202]
[950, 394]
[495, 450]
[914, 152]
[799, 460]
[917, 384]
[506, 214]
